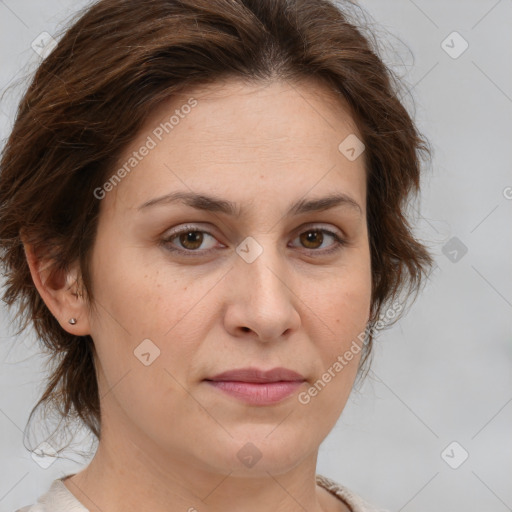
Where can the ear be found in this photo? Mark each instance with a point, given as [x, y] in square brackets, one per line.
[60, 291]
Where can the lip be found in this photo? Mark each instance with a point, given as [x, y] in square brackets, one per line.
[259, 376]
[258, 387]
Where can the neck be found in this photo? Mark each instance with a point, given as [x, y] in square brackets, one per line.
[145, 478]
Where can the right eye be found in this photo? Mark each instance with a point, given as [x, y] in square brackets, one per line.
[190, 238]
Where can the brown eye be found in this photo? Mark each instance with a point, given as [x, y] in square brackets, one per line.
[191, 240]
[312, 239]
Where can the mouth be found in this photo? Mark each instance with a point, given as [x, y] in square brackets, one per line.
[258, 387]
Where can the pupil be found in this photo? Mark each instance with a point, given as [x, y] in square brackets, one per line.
[192, 239]
[313, 236]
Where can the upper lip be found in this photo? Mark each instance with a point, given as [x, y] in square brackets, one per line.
[257, 375]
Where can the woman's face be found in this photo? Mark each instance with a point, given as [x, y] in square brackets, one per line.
[260, 280]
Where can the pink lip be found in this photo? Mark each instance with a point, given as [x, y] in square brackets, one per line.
[258, 387]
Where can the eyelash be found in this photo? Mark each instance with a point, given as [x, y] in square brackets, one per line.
[166, 242]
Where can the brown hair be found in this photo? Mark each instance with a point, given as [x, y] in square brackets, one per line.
[110, 69]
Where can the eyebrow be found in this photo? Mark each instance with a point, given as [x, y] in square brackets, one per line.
[215, 204]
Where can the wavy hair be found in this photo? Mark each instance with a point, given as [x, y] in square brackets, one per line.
[110, 69]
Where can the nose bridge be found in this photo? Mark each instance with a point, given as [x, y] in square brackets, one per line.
[261, 266]
[261, 276]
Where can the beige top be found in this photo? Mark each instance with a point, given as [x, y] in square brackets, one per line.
[60, 499]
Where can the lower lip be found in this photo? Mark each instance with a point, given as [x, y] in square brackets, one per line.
[258, 393]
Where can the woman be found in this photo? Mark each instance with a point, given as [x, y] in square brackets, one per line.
[203, 217]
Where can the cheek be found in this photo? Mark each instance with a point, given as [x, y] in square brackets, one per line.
[342, 301]
[152, 398]
[337, 330]
[338, 323]
[148, 312]
[141, 294]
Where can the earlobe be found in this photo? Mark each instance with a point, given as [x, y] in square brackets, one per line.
[59, 289]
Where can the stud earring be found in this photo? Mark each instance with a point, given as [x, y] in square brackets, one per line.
[72, 321]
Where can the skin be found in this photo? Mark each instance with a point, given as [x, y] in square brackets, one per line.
[169, 439]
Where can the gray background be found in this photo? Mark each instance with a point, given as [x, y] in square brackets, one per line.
[442, 374]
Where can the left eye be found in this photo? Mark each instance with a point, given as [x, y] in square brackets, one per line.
[191, 239]
[314, 238]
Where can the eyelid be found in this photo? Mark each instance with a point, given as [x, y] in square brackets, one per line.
[340, 239]
[184, 229]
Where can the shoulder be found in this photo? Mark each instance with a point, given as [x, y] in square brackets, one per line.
[57, 499]
[355, 503]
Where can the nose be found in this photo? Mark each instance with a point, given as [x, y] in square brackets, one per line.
[262, 302]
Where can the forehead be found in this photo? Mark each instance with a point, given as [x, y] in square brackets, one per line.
[230, 134]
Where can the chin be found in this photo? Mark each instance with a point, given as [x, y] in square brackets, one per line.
[258, 452]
